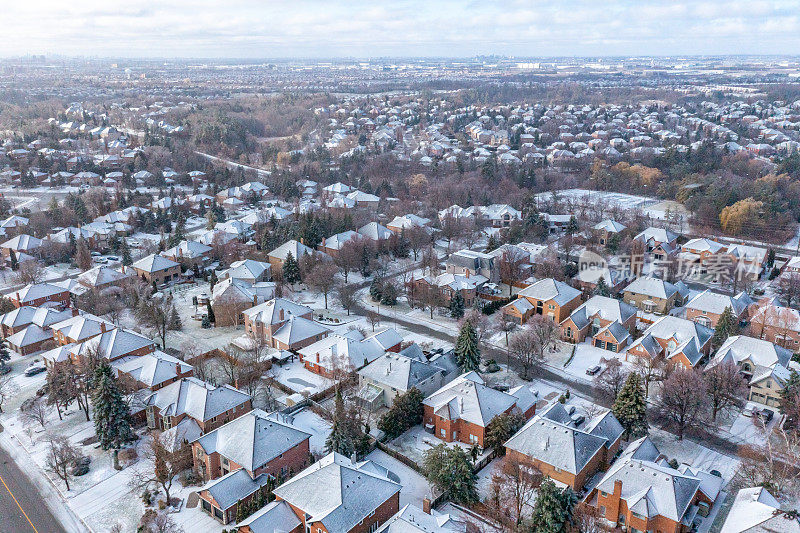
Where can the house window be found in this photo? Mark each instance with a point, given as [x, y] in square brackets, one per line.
[473, 439]
[444, 433]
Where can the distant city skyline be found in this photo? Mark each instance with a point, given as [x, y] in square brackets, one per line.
[446, 28]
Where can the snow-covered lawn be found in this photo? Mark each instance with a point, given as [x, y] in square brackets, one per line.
[310, 422]
[415, 486]
[295, 376]
[416, 441]
[586, 356]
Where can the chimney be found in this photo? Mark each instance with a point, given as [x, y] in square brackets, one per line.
[317, 357]
[302, 241]
[102, 327]
[466, 272]
[280, 315]
[323, 242]
[460, 404]
[426, 505]
[354, 458]
[255, 299]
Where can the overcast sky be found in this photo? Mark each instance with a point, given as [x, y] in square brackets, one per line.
[370, 28]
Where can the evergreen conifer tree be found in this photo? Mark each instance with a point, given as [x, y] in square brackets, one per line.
[127, 260]
[291, 269]
[340, 439]
[727, 325]
[112, 418]
[553, 509]
[468, 353]
[602, 288]
[457, 305]
[630, 407]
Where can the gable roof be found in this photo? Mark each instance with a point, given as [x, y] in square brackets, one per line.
[754, 510]
[604, 308]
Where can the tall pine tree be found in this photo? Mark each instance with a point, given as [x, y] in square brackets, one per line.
[112, 418]
[727, 325]
[630, 407]
[468, 353]
[291, 269]
[457, 305]
[341, 438]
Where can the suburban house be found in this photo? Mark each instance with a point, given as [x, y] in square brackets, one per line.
[471, 263]
[157, 269]
[653, 237]
[243, 456]
[551, 444]
[247, 270]
[22, 317]
[547, 297]
[375, 232]
[654, 295]
[609, 322]
[334, 243]
[707, 307]
[151, 371]
[461, 410]
[358, 497]
[605, 229]
[406, 222]
[297, 249]
[750, 261]
[763, 364]
[232, 296]
[348, 351]
[397, 373]
[755, 510]
[283, 324]
[206, 405]
[40, 294]
[411, 519]
[275, 516]
[642, 492]
[102, 277]
[447, 285]
[775, 323]
[678, 340]
[189, 253]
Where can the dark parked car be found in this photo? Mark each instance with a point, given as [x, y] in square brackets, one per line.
[593, 370]
[766, 415]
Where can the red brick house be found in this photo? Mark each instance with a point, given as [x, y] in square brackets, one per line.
[338, 495]
[462, 409]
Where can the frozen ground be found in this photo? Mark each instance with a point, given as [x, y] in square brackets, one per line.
[415, 486]
[416, 441]
[310, 422]
[295, 376]
[586, 356]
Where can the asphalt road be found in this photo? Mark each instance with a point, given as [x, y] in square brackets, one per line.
[21, 507]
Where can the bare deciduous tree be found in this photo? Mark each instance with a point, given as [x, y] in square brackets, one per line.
[513, 490]
[30, 272]
[61, 454]
[727, 388]
[529, 344]
[322, 278]
[161, 465]
[683, 401]
[789, 289]
[8, 389]
[609, 382]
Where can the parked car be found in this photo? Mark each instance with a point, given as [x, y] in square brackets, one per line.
[571, 410]
[748, 412]
[593, 370]
[578, 420]
[766, 415]
[4, 369]
[35, 368]
[113, 258]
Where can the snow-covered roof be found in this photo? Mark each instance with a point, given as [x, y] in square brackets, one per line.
[152, 368]
[549, 289]
[755, 511]
[154, 263]
[411, 519]
[352, 491]
[467, 398]
[604, 308]
[399, 371]
[254, 439]
[712, 302]
[197, 399]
